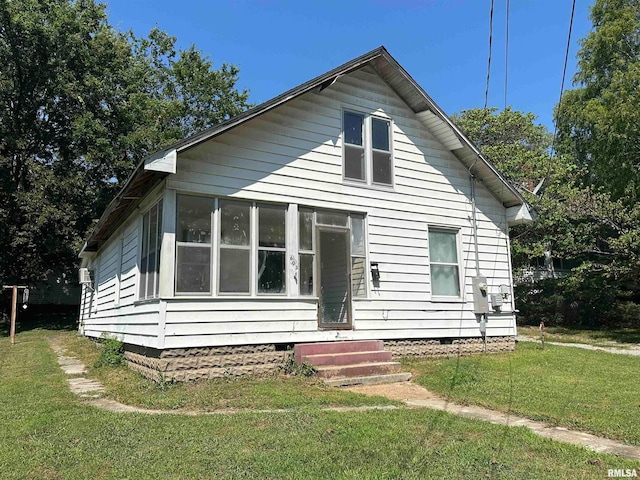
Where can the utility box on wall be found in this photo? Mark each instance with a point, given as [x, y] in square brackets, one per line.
[480, 296]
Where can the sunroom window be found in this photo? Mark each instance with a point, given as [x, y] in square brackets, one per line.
[150, 255]
[193, 244]
[358, 259]
[271, 249]
[235, 247]
[306, 251]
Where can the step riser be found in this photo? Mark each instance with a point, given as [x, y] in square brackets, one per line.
[359, 370]
[305, 349]
[347, 358]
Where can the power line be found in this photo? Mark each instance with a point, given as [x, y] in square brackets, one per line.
[486, 93]
[564, 73]
[506, 57]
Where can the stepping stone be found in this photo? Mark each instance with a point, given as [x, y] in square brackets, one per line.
[84, 385]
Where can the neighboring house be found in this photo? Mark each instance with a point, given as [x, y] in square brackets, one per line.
[343, 209]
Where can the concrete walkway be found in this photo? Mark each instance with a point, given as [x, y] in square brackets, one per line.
[416, 396]
[412, 395]
[624, 349]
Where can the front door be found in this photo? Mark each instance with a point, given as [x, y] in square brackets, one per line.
[334, 309]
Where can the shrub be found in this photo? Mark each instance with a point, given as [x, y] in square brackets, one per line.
[304, 369]
[112, 353]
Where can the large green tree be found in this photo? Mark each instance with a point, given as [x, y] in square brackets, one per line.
[599, 126]
[599, 122]
[577, 222]
[80, 105]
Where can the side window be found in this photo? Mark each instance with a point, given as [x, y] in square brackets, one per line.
[367, 150]
[444, 263]
[150, 255]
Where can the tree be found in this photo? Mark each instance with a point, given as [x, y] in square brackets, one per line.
[80, 105]
[599, 122]
[599, 126]
[511, 140]
[575, 222]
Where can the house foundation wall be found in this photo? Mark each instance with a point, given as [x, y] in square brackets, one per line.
[193, 364]
[449, 348]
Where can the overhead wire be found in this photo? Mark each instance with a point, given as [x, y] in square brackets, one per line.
[506, 55]
[486, 93]
[559, 111]
[564, 73]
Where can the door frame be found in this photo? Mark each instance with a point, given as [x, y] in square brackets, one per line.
[347, 232]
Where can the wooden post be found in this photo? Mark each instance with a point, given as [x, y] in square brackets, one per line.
[14, 305]
[542, 334]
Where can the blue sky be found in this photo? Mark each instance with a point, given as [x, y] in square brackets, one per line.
[443, 44]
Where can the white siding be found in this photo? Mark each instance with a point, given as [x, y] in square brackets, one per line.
[293, 154]
[99, 313]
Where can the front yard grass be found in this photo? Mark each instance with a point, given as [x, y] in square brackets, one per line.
[48, 433]
[263, 393]
[584, 390]
[616, 337]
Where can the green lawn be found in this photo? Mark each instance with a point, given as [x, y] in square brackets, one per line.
[48, 433]
[617, 337]
[584, 390]
[268, 392]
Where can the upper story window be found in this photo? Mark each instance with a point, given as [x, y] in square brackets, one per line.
[444, 263]
[367, 149]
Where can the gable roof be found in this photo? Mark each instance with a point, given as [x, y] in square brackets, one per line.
[161, 163]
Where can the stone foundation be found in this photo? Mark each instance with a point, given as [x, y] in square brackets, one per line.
[448, 347]
[190, 364]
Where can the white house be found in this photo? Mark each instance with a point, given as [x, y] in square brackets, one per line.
[348, 208]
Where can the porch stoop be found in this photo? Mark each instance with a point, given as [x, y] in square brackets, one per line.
[363, 362]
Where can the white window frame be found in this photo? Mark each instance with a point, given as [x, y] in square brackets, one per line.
[156, 284]
[367, 144]
[364, 256]
[311, 252]
[209, 245]
[292, 289]
[256, 206]
[252, 247]
[461, 274]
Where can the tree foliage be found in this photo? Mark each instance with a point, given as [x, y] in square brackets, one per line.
[599, 127]
[599, 122]
[80, 105]
[577, 222]
[511, 140]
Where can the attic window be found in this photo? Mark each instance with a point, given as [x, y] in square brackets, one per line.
[367, 149]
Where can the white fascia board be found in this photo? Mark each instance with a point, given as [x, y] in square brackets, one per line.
[162, 161]
[520, 214]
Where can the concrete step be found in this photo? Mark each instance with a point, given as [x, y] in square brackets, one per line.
[368, 380]
[302, 349]
[347, 358]
[358, 370]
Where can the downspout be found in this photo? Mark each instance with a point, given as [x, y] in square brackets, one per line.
[481, 318]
